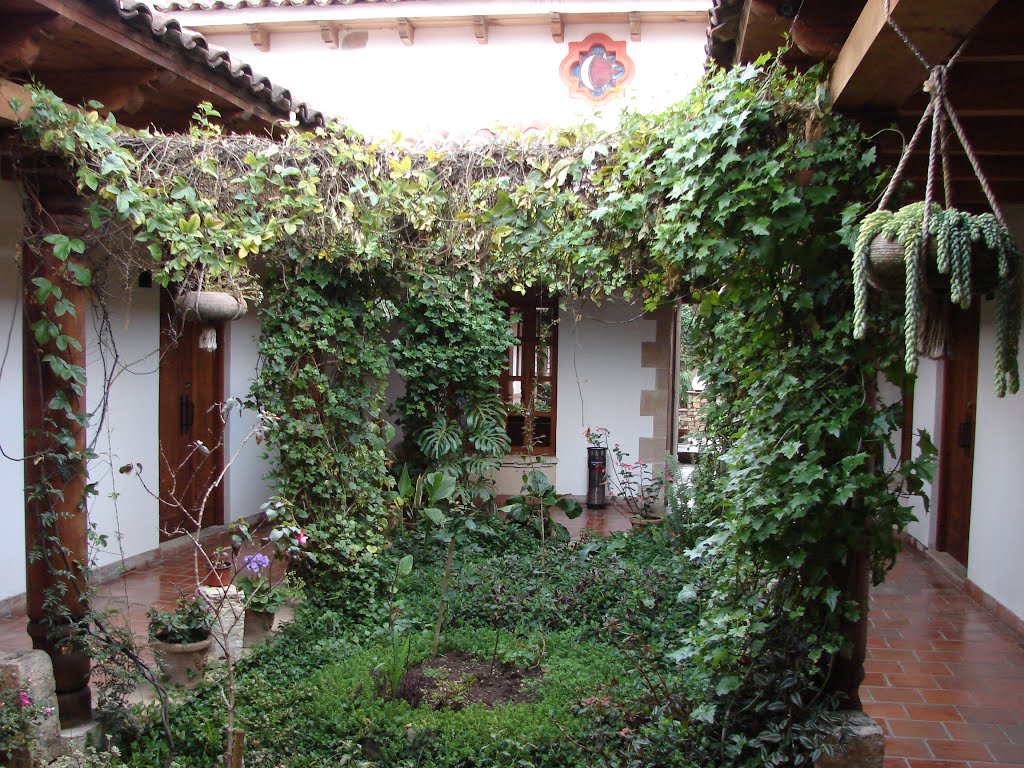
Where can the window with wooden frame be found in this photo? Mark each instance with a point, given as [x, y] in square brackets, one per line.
[529, 383]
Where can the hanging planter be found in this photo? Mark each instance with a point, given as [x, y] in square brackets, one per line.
[210, 306]
[939, 256]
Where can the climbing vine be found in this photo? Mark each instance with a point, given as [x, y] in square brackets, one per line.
[742, 200]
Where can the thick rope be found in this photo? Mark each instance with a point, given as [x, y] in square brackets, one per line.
[907, 152]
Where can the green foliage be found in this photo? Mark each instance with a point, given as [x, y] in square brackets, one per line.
[534, 503]
[189, 622]
[452, 345]
[322, 376]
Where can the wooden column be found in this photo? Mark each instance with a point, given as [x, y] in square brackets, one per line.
[55, 521]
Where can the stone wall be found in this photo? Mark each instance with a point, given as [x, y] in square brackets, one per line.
[689, 415]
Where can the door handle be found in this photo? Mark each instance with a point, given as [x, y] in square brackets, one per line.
[964, 435]
[186, 413]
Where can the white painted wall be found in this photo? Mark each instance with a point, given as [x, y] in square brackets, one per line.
[447, 81]
[599, 383]
[927, 417]
[126, 355]
[245, 489]
[997, 506]
[12, 433]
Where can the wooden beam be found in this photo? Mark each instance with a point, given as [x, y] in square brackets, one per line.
[761, 29]
[634, 26]
[260, 37]
[557, 25]
[876, 69]
[480, 29]
[406, 31]
[979, 88]
[329, 34]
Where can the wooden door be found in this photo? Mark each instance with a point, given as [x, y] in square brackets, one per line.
[191, 386]
[956, 450]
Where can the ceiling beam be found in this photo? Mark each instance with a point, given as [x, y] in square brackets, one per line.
[557, 25]
[259, 36]
[329, 34]
[480, 29]
[876, 70]
[634, 26]
[406, 31]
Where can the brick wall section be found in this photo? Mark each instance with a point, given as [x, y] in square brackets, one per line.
[659, 355]
[689, 415]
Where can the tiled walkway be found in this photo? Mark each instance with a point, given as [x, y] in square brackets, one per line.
[944, 678]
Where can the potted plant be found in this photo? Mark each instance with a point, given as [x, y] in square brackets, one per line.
[966, 254]
[181, 639]
[220, 573]
[263, 599]
[636, 483]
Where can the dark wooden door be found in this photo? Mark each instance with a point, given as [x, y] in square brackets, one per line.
[191, 386]
[956, 450]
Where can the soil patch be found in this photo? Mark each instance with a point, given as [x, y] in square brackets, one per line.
[455, 680]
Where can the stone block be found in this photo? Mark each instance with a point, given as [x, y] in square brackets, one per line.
[32, 672]
[228, 606]
[859, 743]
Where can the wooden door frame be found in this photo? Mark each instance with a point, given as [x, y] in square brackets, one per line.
[215, 513]
[962, 363]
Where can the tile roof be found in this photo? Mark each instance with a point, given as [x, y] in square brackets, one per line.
[723, 26]
[208, 5]
[192, 45]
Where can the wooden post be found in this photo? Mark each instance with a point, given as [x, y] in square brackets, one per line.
[56, 543]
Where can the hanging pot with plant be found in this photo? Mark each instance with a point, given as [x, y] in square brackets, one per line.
[215, 299]
[939, 256]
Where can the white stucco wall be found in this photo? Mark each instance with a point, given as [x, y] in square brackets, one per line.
[12, 434]
[599, 383]
[927, 417]
[245, 490]
[997, 506]
[447, 81]
[127, 355]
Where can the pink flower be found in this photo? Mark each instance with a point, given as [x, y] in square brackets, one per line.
[48, 711]
[302, 538]
[24, 699]
[624, 732]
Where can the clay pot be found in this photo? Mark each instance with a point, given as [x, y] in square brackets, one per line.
[209, 306]
[182, 663]
[220, 575]
[258, 626]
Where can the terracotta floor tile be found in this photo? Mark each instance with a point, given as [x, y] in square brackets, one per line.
[945, 713]
[959, 750]
[903, 747]
[1008, 754]
[918, 729]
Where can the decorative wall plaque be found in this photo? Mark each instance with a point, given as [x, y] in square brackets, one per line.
[597, 68]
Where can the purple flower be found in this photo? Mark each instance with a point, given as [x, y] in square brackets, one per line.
[256, 563]
[24, 699]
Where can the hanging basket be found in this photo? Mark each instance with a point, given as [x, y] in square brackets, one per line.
[210, 306]
[887, 268]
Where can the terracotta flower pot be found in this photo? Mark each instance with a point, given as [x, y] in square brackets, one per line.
[220, 575]
[182, 663]
[258, 626]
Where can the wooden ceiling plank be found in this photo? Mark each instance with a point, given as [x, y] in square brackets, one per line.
[112, 29]
[876, 69]
[761, 29]
[557, 24]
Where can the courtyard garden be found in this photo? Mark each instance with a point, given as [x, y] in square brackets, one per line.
[435, 628]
